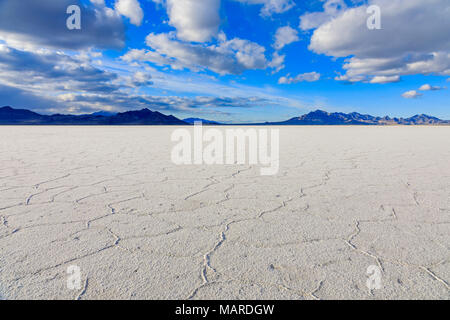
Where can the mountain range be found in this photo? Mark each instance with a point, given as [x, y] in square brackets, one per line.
[10, 116]
[320, 117]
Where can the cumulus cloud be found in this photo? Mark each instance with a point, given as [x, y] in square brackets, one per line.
[427, 87]
[195, 20]
[331, 9]
[31, 23]
[414, 39]
[277, 62]
[271, 7]
[228, 57]
[141, 79]
[130, 9]
[413, 94]
[385, 79]
[98, 2]
[308, 77]
[284, 36]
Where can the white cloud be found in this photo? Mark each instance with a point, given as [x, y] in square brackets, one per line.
[100, 3]
[413, 94]
[414, 39]
[385, 79]
[308, 77]
[195, 20]
[284, 36]
[331, 9]
[140, 79]
[227, 57]
[271, 7]
[427, 87]
[130, 9]
[277, 62]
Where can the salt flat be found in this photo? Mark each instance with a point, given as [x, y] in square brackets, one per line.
[110, 201]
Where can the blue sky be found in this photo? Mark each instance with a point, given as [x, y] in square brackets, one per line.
[227, 60]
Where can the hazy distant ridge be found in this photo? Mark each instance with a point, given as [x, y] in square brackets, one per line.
[203, 121]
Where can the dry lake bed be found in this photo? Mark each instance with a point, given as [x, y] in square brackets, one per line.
[110, 202]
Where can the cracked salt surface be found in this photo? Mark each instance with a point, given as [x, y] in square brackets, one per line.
[140, 227]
